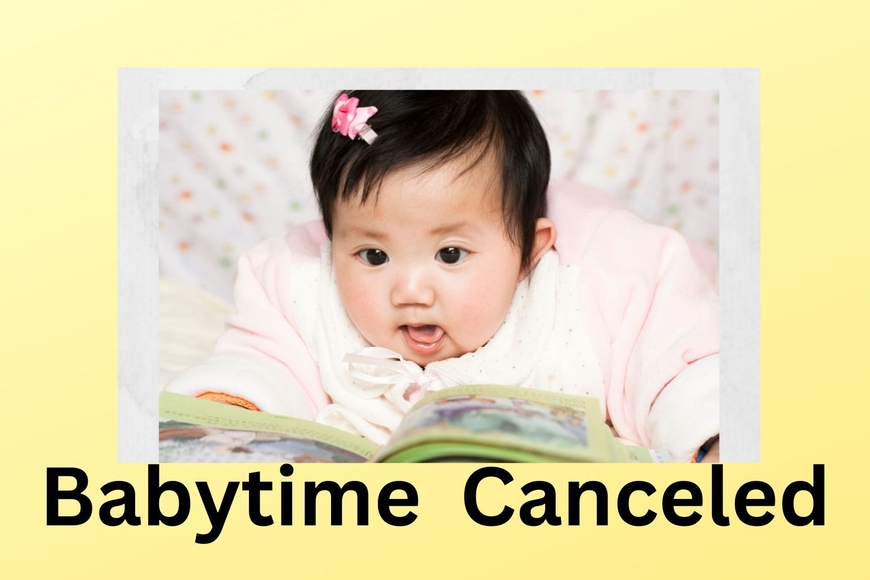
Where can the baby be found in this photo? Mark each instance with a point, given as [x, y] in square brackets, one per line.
[436, 264]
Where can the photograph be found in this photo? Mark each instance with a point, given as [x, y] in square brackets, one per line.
[336, 256]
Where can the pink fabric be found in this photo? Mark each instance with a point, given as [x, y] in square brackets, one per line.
[262, 324]
[650, 309]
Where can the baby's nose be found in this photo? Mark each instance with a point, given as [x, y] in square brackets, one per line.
[412, 288]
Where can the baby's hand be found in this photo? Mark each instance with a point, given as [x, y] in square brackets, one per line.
[712, 455]
[228, 400]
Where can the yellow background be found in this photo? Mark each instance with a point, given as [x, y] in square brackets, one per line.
[58, 111]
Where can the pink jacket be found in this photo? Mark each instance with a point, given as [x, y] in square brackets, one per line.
[650, 313]
[653, 318]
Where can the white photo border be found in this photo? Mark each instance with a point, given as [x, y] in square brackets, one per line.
[739, 222]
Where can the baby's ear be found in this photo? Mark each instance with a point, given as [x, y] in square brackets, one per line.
[545, 237]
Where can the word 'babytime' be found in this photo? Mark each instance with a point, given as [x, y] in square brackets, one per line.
[534, 503]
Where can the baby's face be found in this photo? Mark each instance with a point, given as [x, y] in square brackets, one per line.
[426, 268]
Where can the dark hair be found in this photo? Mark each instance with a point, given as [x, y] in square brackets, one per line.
[437, 127]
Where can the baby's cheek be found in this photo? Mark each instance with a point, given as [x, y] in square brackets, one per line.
[360, 303]
[358, 289]
[481, 313]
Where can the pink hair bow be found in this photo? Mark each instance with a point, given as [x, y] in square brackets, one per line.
[350, 120]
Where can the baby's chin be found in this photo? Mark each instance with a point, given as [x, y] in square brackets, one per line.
[419, 358]
[446, 352]
[428, 359]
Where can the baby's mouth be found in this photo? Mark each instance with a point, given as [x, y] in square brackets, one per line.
[423, 338]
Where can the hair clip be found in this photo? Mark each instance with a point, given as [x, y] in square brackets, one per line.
[350, 121]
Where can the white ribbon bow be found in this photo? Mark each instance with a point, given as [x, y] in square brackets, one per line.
[379, 371]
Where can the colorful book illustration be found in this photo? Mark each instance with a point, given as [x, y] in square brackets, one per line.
[476, 423]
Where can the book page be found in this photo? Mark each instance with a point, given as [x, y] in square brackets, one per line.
[194, 430]
[503, 423]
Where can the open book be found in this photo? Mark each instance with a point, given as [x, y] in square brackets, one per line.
[482, 423]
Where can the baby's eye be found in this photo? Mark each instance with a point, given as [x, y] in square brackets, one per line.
[451, 255]
[374, 257]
